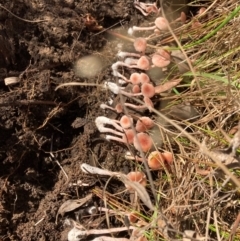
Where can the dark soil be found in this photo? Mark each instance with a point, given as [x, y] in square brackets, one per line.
[36, 120]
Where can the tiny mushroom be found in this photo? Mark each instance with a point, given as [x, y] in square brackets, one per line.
[101, 121]
[201, 11]
[182, 18]
[161, 23]
[135, 78]
[126, 138]
[136, 89]
[157, 160]
[126, 121]
[146, 8]
[142, 141]
[168, 157]
[144, 78]
[140, 44]
[147, 90]
[159, 61]
[144, 123]
[141, 63]
[148, 104]
[164, 53]
[118, 108]
[129, 133]
[139, 177]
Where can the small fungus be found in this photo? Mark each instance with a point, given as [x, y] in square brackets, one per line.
[142, 141]
[144, 123]
[140, 44]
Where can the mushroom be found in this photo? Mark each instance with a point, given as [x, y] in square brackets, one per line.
[141, 63]
[118, 108]
[142, 141]
[144, 123]
[126, 138]
[146, 8]
[135, 78]
[139, 177]
[140, 44]
[144, 78]
[148, 104]
[147, 90]
[157, 160]
[126, 122]
[161, 23]
[168, 157]
[136, 89]
[101, 121]
[159, 61]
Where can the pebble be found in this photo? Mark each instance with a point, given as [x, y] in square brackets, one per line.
[89, 66]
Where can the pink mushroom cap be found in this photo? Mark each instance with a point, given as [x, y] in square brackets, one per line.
[136, 89]
[161, 23]
[142, 141]
[140, 44]
[144, 123]
[148, 90]
[143, 63]
[125, 122]
[135, 78]
[144, 78]
[160, 61]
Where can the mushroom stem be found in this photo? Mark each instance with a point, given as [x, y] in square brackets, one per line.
[100, 121]
[146, 8]
[114, 138]
[127, 54]
[148, 104]
[103, 129]
[118, 107]
[127, 137]
[118, 90]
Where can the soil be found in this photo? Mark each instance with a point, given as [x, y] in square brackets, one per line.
[43, 130]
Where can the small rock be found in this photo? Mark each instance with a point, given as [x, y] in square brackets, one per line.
[183, 112]
[89, 66]
[156, 75]
[180, 61]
